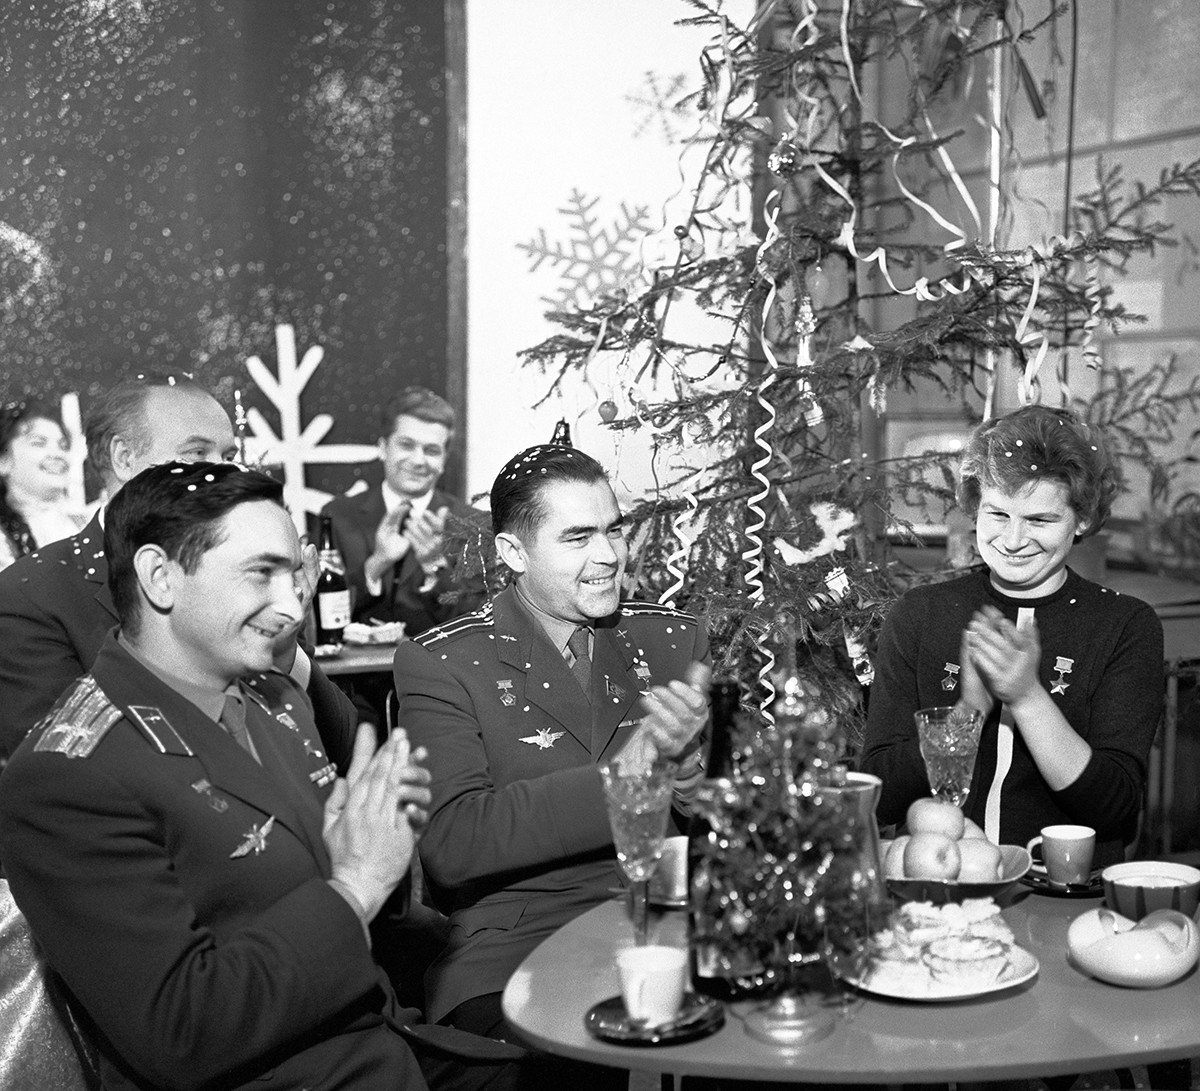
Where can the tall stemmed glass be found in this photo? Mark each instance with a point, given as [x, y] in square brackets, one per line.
[949, 740]
[639, 805]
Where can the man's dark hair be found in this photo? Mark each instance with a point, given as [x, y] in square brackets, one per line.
[417, 402]
[178, 507]
[119, 412]
[516, 496]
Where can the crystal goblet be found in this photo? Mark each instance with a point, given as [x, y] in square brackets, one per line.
[639, 805]
[949, 740]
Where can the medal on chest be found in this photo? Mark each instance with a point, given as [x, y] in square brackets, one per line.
[1064, 667]
[951, 679]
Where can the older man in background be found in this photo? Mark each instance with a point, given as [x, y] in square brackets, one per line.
[55, 604]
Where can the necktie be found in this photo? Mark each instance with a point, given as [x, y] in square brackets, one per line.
[233, 719]
[582, 667]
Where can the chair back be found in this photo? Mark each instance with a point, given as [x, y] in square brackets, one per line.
[41, 1043]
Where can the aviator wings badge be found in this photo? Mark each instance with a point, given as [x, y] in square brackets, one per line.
[255, 840]
[544, 739]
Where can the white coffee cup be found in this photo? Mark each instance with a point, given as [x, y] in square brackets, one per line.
[1066, 853]
[652, 982]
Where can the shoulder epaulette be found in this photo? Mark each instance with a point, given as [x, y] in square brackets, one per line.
[634, 609]
[76, 727]
[480, 619]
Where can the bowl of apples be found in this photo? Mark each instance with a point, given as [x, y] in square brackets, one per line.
[945, 857]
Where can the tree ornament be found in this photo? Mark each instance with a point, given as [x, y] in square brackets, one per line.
[607, 410]
[784, 159]
[818, 285]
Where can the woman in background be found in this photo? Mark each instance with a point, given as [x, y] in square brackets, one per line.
[33, 480]
[1068, 674]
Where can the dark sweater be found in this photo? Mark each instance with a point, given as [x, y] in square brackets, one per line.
[1111, 693]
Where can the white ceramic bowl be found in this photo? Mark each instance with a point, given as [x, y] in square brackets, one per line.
[1160, 948]
[1014, 863]
[1139, 887]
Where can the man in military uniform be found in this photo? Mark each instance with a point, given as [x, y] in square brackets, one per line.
[169, 830]
[55, 603]
[518, 703]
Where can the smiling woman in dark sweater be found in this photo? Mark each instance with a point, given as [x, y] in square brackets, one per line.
[1069, 675]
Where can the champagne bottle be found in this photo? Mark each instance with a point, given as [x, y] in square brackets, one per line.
[333, 593]
[715, 972]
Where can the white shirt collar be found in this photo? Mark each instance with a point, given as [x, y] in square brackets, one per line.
[392, 500]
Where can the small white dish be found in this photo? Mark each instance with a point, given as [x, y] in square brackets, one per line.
[1158, 949]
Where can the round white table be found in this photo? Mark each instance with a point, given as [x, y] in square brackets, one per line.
[1062, 1021]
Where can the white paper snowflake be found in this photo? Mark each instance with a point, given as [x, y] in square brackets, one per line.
[295, 447]
[657, 103]
[594, 260]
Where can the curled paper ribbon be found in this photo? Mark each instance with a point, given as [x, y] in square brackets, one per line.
[765, 670]
[753, 555]
[677, 561]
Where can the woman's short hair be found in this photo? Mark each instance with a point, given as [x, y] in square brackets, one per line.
[516, 496]
[1038, 443]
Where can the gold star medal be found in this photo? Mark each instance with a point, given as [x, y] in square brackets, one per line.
[1064, 667]
[255, 840]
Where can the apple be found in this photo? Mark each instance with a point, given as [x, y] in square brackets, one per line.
[931, 856]
[971, 830]
[932, 815]
[980, 861]
[893, 859]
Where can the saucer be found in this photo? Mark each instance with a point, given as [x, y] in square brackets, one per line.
[1037, 880]
[610, 1022]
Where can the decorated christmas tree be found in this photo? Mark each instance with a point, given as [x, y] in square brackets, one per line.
[832, 254]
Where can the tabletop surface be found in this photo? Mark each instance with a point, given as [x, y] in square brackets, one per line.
[359, 658]
[1061, 1021]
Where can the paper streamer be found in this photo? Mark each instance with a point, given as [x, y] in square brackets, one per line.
[677, 561]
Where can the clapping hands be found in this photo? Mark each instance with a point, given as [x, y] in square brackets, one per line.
[400, 531]
[676, 714]
[999, 659]
[374, 816]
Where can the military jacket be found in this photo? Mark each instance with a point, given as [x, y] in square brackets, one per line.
[179, 889]
[519, 840]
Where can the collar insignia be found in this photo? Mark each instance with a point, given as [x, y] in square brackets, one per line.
[613, 689]
[255, 840]
[544, 739]
[287, 721]
[157, 728]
